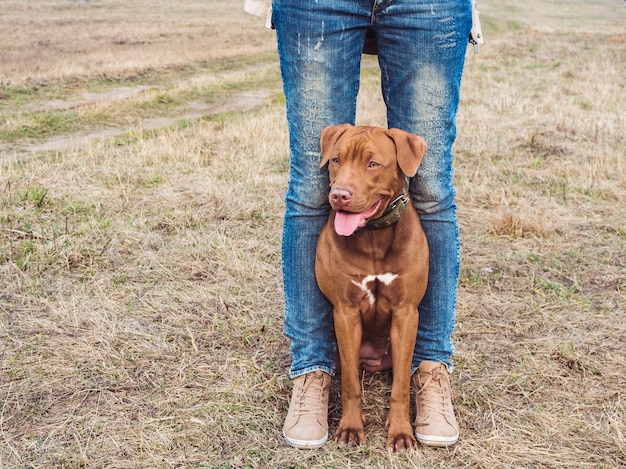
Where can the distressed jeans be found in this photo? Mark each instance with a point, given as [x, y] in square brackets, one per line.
[421, 53]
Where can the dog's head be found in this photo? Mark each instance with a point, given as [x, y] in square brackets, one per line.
[367, 168]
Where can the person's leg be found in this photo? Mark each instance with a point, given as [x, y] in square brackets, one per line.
[422, 48]
[421, 51]
[320, 64]
[319, 45]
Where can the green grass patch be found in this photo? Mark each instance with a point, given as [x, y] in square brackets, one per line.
[166, 102]
[40, 125]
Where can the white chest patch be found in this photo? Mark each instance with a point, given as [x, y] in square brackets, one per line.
[384, 278]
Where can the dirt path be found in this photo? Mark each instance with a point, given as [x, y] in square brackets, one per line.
[238, 102]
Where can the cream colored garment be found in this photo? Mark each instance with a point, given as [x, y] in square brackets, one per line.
[476, 33]
[263, 8]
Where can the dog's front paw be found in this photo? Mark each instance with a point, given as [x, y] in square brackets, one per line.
[400, 437]
[350, 431]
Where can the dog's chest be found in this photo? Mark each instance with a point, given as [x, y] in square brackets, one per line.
[373, 289]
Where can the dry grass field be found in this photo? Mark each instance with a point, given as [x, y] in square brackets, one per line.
[143, 158]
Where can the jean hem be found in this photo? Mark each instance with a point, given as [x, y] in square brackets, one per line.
[311, 369]
[448, 365]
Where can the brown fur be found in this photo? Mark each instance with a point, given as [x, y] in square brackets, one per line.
[367, 164]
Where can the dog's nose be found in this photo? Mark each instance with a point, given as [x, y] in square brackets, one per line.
[340, 196]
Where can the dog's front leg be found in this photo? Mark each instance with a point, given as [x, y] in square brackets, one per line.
[403, 334]
[348, 330]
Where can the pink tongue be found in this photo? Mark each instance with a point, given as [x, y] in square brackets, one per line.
[346, 223]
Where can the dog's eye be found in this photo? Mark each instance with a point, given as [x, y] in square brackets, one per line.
[373, 164]
[335, 160]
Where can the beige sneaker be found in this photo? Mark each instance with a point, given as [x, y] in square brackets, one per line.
[306, 425]
[435, 424]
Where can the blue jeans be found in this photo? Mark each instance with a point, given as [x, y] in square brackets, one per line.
[421, 52]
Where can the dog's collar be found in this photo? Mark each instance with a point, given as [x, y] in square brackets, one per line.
[393, 212]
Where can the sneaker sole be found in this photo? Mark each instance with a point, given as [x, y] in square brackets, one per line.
[437, 441]
[306, 444]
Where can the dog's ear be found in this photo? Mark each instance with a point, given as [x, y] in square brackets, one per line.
[410, 150]
[329, 137]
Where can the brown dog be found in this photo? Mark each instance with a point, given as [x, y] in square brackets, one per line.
[372, 265]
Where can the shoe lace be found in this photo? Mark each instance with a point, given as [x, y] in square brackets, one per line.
[309, 400]
[434, 397]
